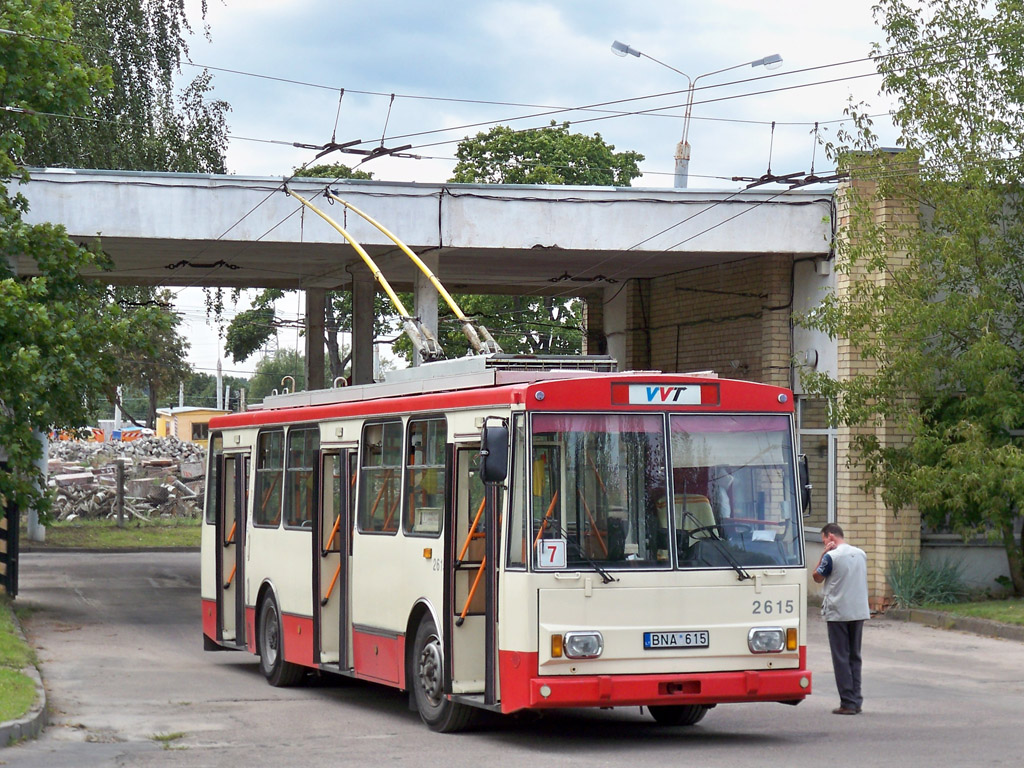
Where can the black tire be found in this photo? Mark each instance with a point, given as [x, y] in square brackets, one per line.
[426, 678]
[279, 673]
[678, 714]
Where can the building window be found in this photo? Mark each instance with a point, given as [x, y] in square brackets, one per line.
[200, 430]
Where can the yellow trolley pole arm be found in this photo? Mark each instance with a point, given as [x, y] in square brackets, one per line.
[422, 339]
[488, 345]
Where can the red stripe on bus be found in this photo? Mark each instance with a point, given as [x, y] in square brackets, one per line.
[210, 618]
[298, 639]
[523, 688]
[380, 658]
[596, 392]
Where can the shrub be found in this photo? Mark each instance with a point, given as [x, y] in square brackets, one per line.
[914, 582]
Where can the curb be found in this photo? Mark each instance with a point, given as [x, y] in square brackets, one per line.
[942, 620]
[32, 724]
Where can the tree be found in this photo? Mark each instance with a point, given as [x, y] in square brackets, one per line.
[59, 334]
[271, 370]
[139, 121]
[549, 155]
[156, 361]
[527, 325]
[536, 325]
[201, 390]
[938, 299]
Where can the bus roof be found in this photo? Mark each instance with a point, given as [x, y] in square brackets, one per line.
[482, 381]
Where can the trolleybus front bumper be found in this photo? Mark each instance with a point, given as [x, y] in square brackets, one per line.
[523, 688]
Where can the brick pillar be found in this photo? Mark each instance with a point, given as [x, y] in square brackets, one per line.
[594, 340]
[865, 519]
[638, 326]
[776, 335]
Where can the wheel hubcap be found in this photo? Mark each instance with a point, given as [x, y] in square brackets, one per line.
[429, 670]
[270, 638]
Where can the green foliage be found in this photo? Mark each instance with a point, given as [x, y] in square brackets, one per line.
[135, 120]
[272, 369]
[939, 284]
[333, 171]
[155, 361]
[526, 325]
[915, 583]
[252, 328]
[201, 390]
[60, 336]
[549, 155]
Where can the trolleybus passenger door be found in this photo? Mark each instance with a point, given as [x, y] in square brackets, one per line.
[231, 550]
[330, 557]
[466, 629]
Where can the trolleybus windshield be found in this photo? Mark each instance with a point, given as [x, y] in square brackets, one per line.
[601, 485]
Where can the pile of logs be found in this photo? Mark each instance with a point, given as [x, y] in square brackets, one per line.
[163, 477]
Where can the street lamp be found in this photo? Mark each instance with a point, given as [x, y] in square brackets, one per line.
[683, 148]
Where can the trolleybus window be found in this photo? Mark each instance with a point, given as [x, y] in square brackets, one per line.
[380, 486]
[734, 500]
[596, 479]
[330, 535]
[518, 529]
[425, 477]
[269, 475]
[216, 448]
[303, 445]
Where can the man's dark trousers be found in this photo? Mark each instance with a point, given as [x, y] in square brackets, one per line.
[844, 640]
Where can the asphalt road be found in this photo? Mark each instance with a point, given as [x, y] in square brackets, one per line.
[121, 649]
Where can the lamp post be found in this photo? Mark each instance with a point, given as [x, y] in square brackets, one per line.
[682, 155]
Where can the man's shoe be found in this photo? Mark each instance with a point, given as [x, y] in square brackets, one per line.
[845, 711]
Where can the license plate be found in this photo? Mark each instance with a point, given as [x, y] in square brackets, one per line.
[695, 638]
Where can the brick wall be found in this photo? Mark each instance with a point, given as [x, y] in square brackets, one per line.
[867, 522]
[731, 318]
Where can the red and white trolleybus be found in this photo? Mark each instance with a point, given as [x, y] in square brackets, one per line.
[514, 534]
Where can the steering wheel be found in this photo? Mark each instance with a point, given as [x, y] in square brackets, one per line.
[708, 531]
[736, 528]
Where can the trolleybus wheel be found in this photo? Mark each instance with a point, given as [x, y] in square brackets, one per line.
[427, 682]
[278, 672]
[678, 714]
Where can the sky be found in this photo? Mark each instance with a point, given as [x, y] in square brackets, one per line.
[460, 66]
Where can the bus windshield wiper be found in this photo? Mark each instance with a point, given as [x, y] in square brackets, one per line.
[606, 577]
[720, 545]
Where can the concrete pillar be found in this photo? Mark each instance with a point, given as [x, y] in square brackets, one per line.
[363, 290]
[425, 299]
[316, 307]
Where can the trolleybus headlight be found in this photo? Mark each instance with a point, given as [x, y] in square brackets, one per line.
[766, 640]
[583, 645]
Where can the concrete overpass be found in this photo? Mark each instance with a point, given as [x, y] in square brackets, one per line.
[241, 231]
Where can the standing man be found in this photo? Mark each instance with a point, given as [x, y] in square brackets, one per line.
[844, 569]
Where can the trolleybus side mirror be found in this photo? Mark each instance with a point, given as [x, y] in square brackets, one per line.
[805, 484]
[494, 453]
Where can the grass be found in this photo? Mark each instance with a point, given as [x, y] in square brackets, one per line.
[17, 691]
[167, 739]
[104, 534]
[915, 583]
[1006, 611]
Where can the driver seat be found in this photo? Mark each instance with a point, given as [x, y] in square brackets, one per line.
[693, 511]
